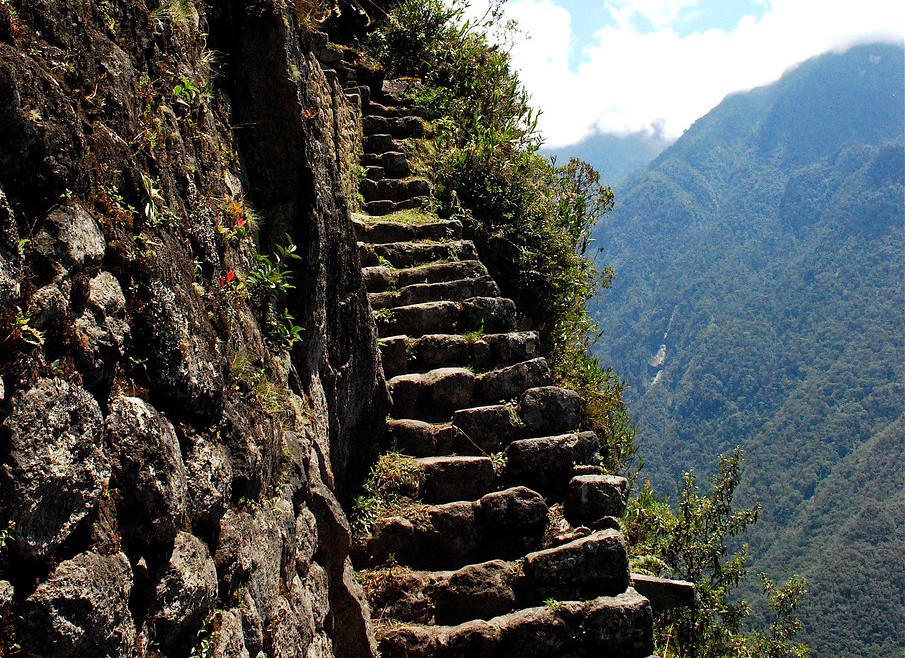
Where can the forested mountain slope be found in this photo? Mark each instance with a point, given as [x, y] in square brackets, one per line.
[759, 301]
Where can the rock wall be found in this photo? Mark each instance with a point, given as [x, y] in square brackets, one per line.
[172, 459]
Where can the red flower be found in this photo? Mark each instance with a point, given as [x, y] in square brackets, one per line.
[240, 222]
[228, 278]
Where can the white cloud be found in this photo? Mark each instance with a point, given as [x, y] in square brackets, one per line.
[629, 80]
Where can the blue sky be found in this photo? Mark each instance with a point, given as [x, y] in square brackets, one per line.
[624, 66]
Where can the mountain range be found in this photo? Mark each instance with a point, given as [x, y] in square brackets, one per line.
[759, 301]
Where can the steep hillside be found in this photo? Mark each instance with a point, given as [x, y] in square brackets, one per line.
[189, 377]
[758, 300]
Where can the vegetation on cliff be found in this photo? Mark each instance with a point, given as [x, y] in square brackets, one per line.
[533, 217]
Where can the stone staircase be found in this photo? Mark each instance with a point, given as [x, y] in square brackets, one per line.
[509, 546]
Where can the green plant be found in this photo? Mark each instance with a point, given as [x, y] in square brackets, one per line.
[6, 535]
[553, 604]
[180, 12]
[24, 331]
[186, 92]
[391, 488]
[474, 335]
[694, 543]
[155, 209]
[270, 275]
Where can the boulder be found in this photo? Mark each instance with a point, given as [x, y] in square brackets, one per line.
[592, 497]
[57, 467]
[148, 471]
[477, 591]
[185, 594]
[82, 609]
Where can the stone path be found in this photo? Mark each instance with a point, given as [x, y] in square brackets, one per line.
[508, 544]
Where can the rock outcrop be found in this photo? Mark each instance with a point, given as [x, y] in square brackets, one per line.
[176, 441]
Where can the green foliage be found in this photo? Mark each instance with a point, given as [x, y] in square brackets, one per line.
[24, 331]
[533, 218]
[391, 489]
[270, 276]
[694, 543]
[775, 269]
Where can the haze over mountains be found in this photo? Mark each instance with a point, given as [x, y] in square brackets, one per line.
[759, 301]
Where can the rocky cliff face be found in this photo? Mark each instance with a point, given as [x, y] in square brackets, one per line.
[178, 423]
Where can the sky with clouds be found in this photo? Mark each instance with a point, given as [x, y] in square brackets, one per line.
[623, 66]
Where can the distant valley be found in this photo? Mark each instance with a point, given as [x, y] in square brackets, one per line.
[759, 301]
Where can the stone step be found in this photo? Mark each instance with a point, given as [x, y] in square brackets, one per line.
[387, 207]
[405, 127]
[385, 232]
[395, 164]
[436, 394]
[410, 254]
[495, 314]
[381, 143]
[547, 464]
[419, 438]
[376, 108]
[401, 354]
[432, 395]
[541, 411]
[448, 479]
[375, 173]
[503, 524]
[396, 190]
[451, 291]
[620, 626]
[380, 278]
[589, 498]
[510, 382]
[588, 567]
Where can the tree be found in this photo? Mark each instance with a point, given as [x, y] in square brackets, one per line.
[693, 543]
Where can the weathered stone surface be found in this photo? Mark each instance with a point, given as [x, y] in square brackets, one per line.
[439, 272]
[57, 466]
[547, 463]
[229, 641]
[426, 292]
[47, 304]
[420, 319]
[71, 238]
[383, 232]
[411, 642]
[477, 591]
[409, 254]
[148, 471]
[457, 531]
[436, 392]
[621, 625]
[448, 479]
[184, 360]
[591, 497]
[6, 597]
[249, 554]
[510, 382]
[209, 475]
[514, 520]
[491, 314]
[82, 609]
[665, 594]
[419, 438]
[485, 429]
[549, 410]
[186, 592]
[592, 566]
[10, 261]
[101, 330]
